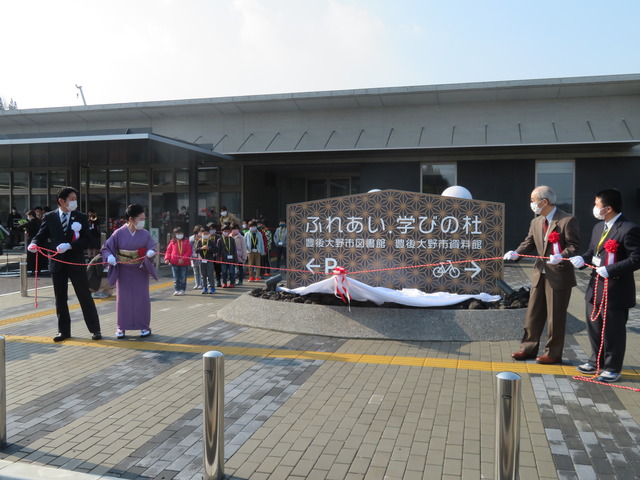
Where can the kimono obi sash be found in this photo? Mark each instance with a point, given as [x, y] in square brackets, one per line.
[126, 256]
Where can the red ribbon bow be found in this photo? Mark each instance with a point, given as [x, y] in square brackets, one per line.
[142, 252]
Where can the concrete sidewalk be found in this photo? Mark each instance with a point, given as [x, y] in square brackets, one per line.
[297, 406]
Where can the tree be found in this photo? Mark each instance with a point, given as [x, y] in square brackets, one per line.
[12, 105]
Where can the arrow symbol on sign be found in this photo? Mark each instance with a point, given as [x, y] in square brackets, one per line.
[476, 269]
[310, 265]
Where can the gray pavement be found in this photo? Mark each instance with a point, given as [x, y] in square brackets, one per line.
[296, 406]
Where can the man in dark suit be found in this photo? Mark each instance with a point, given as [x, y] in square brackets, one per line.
[31, 228]
[554, 234]
[614, 251]
[68, 231]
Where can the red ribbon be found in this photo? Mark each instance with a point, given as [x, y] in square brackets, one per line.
[342, 287]
[611, 247]
[554, 238]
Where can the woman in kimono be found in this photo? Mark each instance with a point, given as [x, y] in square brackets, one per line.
[129, 252]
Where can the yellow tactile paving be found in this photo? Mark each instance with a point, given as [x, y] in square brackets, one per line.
[75, 306]
[134, 344]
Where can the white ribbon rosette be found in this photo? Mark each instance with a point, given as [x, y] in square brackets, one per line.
[76, 227]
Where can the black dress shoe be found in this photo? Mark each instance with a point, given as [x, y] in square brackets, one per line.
[60, 337]
[96, 336]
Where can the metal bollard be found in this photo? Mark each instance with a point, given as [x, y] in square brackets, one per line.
[24, 284]
[507, 426]
[3, 395]
[213, 415]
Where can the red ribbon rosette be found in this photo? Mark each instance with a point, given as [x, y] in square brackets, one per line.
[554, 238]
[142, 252]
[611, 247]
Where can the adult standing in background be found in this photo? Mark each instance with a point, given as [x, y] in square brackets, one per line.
[68, 231]
[227, 218]
[13, 226]
[241, 249]
[31, 229]
[553, 234]
[94, 234]
[615, 252]
[280, 241]
[129, 252]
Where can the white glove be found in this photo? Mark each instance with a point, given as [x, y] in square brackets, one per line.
[511, 255]
[577, 261]
[555, 259]
[150, 253]
[63, 247]
[33, 248]
[602, 271]
[111, 260]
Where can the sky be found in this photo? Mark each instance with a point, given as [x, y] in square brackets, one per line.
[123, 51]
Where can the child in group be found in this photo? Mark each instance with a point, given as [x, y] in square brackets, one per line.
[178, 255]
[241, 250]
[255, 248]
[207, 249]
[195, 258]
[227, 255]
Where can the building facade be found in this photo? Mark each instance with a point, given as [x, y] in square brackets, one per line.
[256, 154]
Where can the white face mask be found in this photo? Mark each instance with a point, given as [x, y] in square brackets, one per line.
[72, 205]
[179, 236]
[205, 237]
[226, 234]
[223, 213]
[535, 208]
[140, 224]
[597, 214]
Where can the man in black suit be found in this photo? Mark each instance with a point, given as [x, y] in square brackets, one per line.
[68, 231]
[614, 251]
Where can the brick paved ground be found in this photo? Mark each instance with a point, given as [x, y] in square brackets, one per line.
[133, 408]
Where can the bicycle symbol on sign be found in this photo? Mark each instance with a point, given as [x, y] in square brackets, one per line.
[441, 270]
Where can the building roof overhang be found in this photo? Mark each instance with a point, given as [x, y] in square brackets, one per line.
[111, 137]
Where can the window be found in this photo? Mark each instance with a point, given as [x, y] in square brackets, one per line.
[117, 179]
[59, 179]
[97, 178]
[436, 177]
[5, 181]
[319, 188]
[182, 177]
[20, 180]
[230, 176]
[162, 178]
[559, 175]
[139, 179]
[38, 179]
[207, 177]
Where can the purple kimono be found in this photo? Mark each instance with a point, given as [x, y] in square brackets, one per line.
[133, 305]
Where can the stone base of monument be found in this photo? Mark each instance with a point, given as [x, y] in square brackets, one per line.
[409, 324]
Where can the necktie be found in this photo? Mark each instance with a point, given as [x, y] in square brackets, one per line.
[605, 232]
[545, 227]
[65, 221]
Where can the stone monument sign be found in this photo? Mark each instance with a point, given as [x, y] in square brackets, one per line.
[372, 234]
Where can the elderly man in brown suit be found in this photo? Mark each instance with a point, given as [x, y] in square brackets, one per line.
[553, 234]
